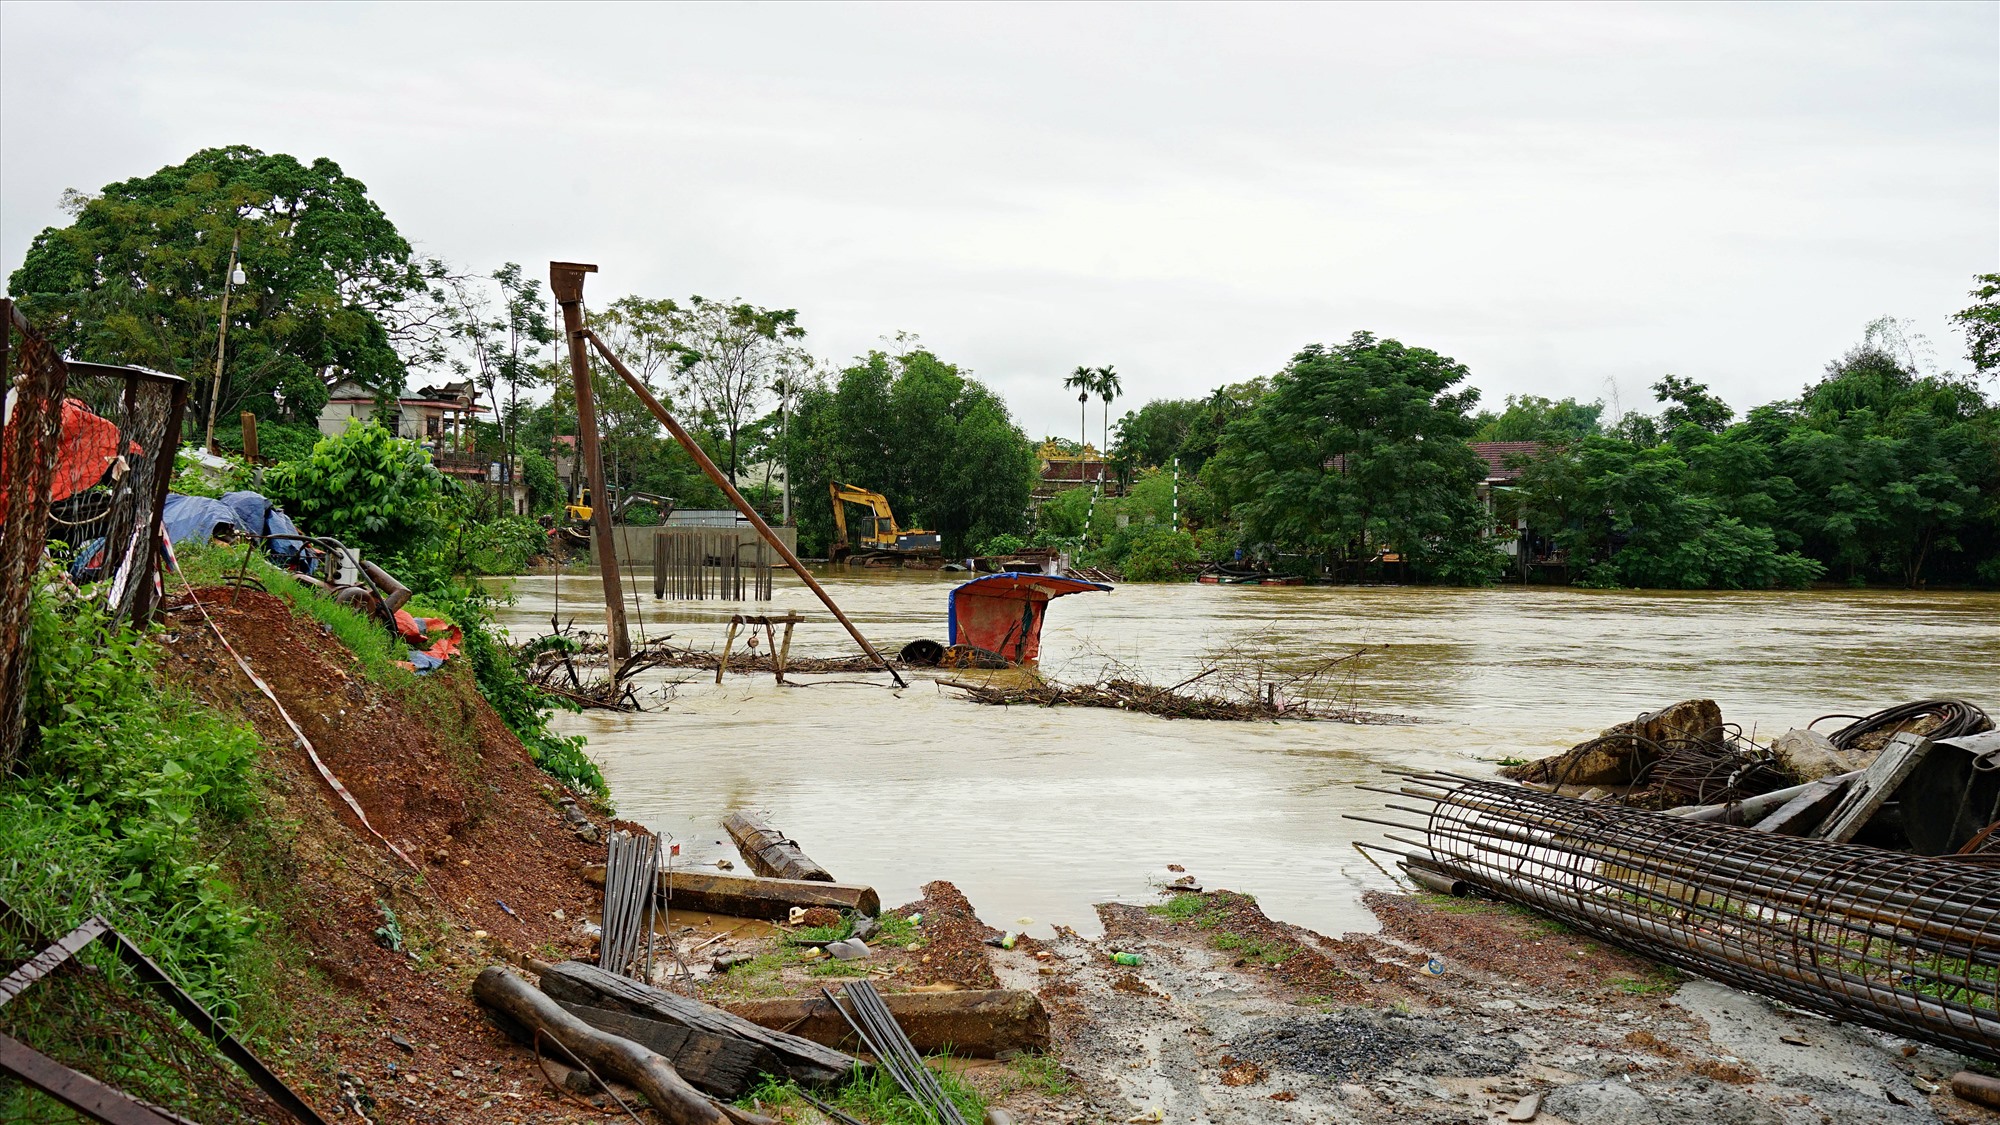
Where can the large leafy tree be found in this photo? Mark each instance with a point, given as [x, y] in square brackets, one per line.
[733, 353]
[504, 341]
[1690, 404]
[1628, 514]
[937, 442]
[330, 287]
[1981, 323]
[1892, 468]
[1153, 434]
[1358, 449]
[1534, 418]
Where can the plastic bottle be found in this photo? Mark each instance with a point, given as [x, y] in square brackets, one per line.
[1127, 959]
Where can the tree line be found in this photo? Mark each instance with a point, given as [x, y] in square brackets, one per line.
[1352, 462]
[1355, 461]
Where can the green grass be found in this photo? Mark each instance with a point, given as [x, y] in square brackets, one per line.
[1254, 949]
[1041, 1072]
[134, 800]
[871, 1095]
[1213, 914]
[807, 934]
[759, 978]
[1447, 904]
[367, 638]
[896, 930]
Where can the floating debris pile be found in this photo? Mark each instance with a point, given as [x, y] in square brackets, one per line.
[1168, 702]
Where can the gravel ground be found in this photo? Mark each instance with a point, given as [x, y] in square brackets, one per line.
[1456, 1012]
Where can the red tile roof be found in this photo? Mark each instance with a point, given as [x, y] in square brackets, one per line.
[1497, 454]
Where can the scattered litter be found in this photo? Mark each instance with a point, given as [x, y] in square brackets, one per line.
[849, 949]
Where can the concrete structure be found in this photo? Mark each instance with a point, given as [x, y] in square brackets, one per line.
[635, 544]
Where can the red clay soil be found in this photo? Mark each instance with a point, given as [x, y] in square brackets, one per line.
[1293, 956]
[954, 949]
[1511, 943]
[437, 772]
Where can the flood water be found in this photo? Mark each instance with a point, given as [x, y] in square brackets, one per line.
[1037, 813]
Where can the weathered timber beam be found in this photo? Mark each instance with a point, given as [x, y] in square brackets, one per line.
[609, 1055]
[799, 1059]
[770, 852]
[744, 896]
[975, 1024]
[722, 1065]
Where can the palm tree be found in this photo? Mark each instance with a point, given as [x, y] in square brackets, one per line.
[1083, 380]
[1105, 382]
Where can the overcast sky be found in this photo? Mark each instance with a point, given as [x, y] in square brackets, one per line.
[1565, 198]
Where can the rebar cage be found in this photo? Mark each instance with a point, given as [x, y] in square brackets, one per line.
[1908, 944]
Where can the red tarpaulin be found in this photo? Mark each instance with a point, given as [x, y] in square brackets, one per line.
[1002, 613]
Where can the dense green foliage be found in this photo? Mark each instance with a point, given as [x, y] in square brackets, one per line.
[1357, 451]
[1533, 418]
[138, 278]
[1874, 474]
[1981, 322]
[522, 707]
[935, 441]
[1878, 472]
[122, 779]
[366, 488]
[128, 801]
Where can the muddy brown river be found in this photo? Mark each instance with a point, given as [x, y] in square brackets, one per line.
[1037, 813]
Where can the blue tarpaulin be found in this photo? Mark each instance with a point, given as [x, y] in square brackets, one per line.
[258, 516]
[193, 519]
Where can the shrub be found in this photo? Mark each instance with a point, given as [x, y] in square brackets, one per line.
[545, 493]
[365, 488]
[1159, 554]
[524, 709]
[121, 782]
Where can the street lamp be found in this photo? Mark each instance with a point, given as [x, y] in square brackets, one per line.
[232, 279]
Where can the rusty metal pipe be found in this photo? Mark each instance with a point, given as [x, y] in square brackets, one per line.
[729, 489]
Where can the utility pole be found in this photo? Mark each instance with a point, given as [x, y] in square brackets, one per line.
[785, 444]
[233, 278]
[566, 281]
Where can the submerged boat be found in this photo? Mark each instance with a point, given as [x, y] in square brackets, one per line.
[1001, 614]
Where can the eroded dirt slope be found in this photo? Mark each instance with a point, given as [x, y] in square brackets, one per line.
[436, 771]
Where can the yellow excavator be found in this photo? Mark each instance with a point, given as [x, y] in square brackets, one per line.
[881, 542]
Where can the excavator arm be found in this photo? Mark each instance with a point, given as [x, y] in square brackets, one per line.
[882, 530]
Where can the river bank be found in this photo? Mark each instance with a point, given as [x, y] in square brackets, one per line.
[1233, 1013]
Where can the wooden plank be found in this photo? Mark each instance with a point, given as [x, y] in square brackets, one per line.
[770, 852]
[45, 962]
[77, 1090]
[981, 1024]
[714, 1064]
[797, 1058]
[1876, 785]
[744, 896]
[1806, 811]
